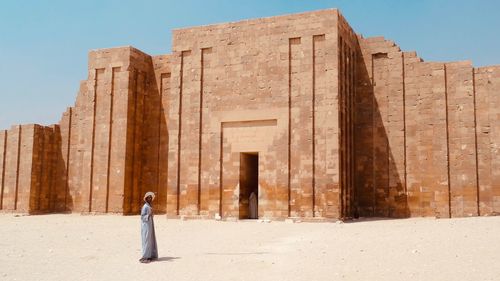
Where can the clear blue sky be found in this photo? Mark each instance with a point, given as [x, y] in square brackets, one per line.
[44, 44]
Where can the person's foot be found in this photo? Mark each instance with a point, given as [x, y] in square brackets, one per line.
[145, 260]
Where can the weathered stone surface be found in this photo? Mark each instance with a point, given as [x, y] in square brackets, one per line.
[339, 126]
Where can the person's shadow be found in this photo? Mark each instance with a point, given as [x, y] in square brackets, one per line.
[167, 259]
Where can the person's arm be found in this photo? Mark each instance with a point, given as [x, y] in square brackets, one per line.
[145, 213]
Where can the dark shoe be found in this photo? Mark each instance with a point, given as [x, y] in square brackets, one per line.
[144, 260]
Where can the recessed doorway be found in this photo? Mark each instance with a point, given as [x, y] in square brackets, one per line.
[249, 185]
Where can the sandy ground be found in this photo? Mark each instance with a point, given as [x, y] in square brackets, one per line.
[74, 247]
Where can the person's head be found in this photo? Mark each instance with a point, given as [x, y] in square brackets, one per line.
[149, 197]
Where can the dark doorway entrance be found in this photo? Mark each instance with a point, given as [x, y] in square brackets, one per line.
[249, 185]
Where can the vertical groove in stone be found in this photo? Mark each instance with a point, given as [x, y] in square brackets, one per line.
[314, 124]
[93, 139]
[110, 135]
[353, 120]
[221, 146]
[347, 91]
[405, 163]
[4, 148]
[53, 198]
[47, 152]
[179, 132]
[404, 124]
[200, 129]
[347, 147]
[447, 138]
[373, 135]
[342, 104]
[342, 110]
[289, 126]
[340, 96]
[348, 131]
[134, 130]
[51, 169]
[160, 113]
[289, 122]
[352, 96]
[140, 180]
[387, 129]
[45, 161]
[17, 165]
[343, 127]
[475, 139]
[66, 182]
[41, 152]
[158, 150]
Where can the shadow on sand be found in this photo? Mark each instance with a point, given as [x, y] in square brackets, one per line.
[238, 254]
[166, 259]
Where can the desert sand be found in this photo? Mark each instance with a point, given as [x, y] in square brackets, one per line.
[107, 247]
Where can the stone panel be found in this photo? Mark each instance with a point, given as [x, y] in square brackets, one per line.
[462, 141]
[26, 199]
[426, 139]
[487, 108]
[11, 168]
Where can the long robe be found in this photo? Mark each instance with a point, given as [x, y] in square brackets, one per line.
[149, 247]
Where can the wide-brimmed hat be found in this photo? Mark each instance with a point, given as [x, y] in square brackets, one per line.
[149, 193]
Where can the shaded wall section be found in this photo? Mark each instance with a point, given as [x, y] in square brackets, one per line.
[348, 50]
[379, 130]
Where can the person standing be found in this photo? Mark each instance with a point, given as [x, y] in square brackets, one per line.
[253, 205]
[149, 246]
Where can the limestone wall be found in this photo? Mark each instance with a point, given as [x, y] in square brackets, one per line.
[487, 109]
[266, 83]
[25, 169]
[107, 150]
[95, 131]
[423, 135]
[112, 133]
[340, 125]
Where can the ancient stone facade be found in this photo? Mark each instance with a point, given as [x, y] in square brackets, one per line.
[317, 121]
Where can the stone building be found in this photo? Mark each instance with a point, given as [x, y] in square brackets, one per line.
[317, 121]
